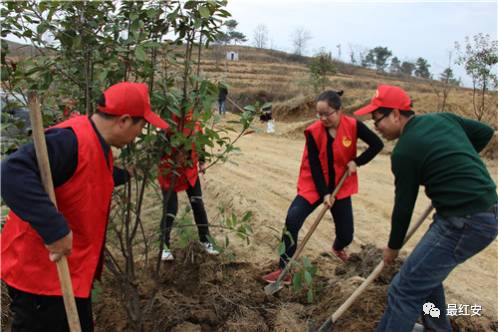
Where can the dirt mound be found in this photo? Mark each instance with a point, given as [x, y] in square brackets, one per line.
[251, 96]
[205, 293]
[295, 130]
[472, 324]
[365, 313]
[196, 293]
[302, 108]
[361, 264]
[296, 109]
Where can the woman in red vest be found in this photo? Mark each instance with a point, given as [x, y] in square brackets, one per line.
[188, 164]
[330, 151]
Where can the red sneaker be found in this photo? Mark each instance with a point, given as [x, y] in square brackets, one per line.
[341, 254]
[272, 277]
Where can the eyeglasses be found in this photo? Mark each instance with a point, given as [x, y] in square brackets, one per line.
[325, 114]
[378, 120]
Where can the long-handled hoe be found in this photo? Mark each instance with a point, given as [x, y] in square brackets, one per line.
[46, 176]
[329, 323]
[275, 287]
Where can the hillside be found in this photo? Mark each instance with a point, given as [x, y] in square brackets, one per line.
[279, 77]
[19, 50]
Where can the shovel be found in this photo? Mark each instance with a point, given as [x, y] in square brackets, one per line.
[275, 287]
[329, 323]
[46, 176]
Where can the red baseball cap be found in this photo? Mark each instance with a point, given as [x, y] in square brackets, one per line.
[132, 99]
[387, 96]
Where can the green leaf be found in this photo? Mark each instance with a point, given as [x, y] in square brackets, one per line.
[190, 4]
[281, 248]
[309, 295]
[242, 231]
[250, 108]
[152, 13]
[102, 75]
[32, 70]
[53, 8]
[247, 216]
[76, 43]
[4, 75]
[42, 27]
[308, 278]
[204, 11]
[140, 53]
[28, 33]
[266, 105]
[306, 263]
[96, 291]
[42, 6]
[224, 13]
[297, 282]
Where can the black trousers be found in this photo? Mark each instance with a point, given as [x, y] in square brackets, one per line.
[40, 313]
[300, 209]
[171, 209]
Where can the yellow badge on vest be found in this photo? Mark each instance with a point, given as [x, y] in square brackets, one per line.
[346, 141]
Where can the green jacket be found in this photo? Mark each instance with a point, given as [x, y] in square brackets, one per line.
[440, 152]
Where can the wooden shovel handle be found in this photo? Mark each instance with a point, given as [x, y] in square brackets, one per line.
[46, 177]
[319, 217]
[313, 227]
[235, 104]
[373, 275]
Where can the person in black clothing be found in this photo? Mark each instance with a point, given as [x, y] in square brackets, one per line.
[222, 96]
[266, 117]
[330, 151]
[186, 162]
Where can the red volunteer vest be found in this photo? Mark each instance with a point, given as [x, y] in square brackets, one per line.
[344, 150]
[84, 200]
[187, 175]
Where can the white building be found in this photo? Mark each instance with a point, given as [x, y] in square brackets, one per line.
[232, 56]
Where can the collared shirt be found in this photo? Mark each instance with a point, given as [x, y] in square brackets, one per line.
[22, 189]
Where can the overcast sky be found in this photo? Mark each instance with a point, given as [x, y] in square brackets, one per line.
[410, 29]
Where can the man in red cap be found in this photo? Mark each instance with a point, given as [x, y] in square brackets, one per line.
[440, 152]
[36, 233]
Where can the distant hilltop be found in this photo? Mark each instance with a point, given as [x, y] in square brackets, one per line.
[18, 49]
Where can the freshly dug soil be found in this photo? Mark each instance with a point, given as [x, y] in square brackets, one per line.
[203, 293]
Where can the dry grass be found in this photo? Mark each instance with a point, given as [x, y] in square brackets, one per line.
[5, 303]
[284, 76]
